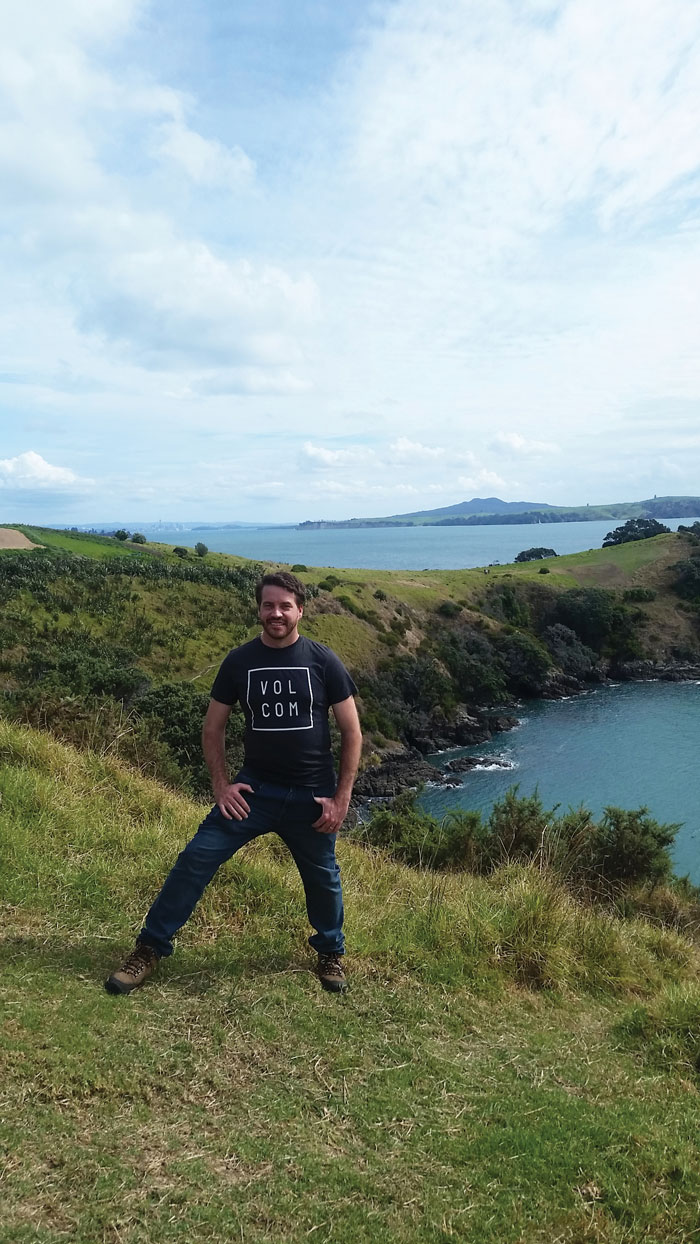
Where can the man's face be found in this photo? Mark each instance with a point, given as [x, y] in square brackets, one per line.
[279, 614]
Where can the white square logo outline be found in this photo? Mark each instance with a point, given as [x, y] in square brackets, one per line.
[280, 669]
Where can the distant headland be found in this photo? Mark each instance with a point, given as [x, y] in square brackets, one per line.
[487, 511]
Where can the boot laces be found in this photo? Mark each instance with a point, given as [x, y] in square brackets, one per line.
[331, 964]
[141, 957]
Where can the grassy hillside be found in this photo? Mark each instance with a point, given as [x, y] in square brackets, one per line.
[442, 1099]
[116, 647]
[82, 543]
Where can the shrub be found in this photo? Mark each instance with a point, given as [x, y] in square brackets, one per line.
[421, 840]
[509, 603]
[380, 594]
[570, 654]
[473, 663]
[201, 549]
[299, 568]
[390, 638]
[687, 580]
[179, 551]
[138, 538]
[174, 713]
[624, 850]
[448, 609]
[639, 593]
[543, 570]
[122, 534]
[635, 529]
[632, 847]
[525, 662]
[536, 554]
[600, 621]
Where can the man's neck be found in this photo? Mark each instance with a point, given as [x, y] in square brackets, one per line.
[287, 642]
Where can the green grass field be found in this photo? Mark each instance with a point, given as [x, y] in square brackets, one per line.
[75, 542]
[510, 1067]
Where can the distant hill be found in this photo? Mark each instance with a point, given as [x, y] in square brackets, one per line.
[487, 511]
[479, 505]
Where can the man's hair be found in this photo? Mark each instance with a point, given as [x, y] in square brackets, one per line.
[284, 579]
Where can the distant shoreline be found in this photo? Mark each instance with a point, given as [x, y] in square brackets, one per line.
[532, 518]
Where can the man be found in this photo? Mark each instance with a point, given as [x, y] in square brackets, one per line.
[285, 684]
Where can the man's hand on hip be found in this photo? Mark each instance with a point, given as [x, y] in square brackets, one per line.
[334, 812]
[231, 802]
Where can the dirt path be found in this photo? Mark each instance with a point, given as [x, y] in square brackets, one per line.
[10, 539]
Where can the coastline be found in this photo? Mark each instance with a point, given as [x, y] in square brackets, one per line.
[405, 768]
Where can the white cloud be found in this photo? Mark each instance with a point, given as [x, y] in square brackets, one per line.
[484, 479]
[513, 442]
[407, 449]
[91, 241]
[206, 161]
[29, 471]
[175, 304]
[319, 456]
[482, 219]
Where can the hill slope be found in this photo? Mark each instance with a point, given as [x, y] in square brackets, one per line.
[117, 648]
[492, 511]
[231, 1098]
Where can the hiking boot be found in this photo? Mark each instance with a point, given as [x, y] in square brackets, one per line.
[135, 969]
[330, 972]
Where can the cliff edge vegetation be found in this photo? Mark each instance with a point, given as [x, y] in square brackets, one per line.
[114, 646]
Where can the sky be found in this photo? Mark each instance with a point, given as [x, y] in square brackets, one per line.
[273, 261]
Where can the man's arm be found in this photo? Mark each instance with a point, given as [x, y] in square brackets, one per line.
[228, 796]
[335, 810]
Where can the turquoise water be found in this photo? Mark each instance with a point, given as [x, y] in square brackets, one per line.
[627, 745]
[398, 548]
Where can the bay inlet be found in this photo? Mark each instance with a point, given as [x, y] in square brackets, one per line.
[628, 745]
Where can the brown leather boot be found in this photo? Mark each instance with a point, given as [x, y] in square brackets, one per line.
[142, 961]
[331, 973]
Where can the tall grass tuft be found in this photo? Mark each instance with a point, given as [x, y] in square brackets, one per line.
[666, 1031]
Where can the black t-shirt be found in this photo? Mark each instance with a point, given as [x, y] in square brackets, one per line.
[285, 694]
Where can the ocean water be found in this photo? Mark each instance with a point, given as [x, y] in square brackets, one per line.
[398, 548]
[629, 745]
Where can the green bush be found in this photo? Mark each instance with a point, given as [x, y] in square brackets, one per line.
[601, 622]
[624, 850]
[639, 593]
[635, 529]
[174, 713]
[509, 602]
[687, 578]
[474, 665]
[632, 847]
[299, 568]
[525, 662]
[201, 549]
[390, 638]
[138, 538]
[415, 838]
[536, 554]
[448, 609]
[569, 653]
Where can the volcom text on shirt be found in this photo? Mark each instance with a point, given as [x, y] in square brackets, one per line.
[285, 694]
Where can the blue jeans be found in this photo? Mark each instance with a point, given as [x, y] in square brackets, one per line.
[286, 810]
